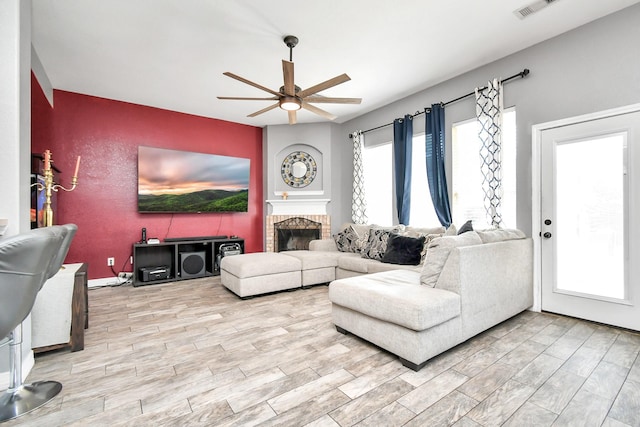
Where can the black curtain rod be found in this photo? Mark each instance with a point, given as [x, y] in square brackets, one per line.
[521, 74]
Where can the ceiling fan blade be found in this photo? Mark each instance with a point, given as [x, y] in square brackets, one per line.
[264, 110]
[293, 119]
[287, 71]
[324, 85]
[250, 83]
[273, 98]
[318, 111]
[330, 100]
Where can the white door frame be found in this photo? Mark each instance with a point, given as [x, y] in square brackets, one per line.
[536, 164]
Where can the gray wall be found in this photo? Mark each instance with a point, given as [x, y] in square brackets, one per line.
[334, 165]
[592, 68]
[314, 138]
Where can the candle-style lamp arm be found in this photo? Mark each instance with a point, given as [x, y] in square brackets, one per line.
[74, 183]
[49, 186]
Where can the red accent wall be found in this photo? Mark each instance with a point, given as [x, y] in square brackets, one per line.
[106, 134]
[42, 118]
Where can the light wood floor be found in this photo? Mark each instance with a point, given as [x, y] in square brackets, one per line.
[191, 353]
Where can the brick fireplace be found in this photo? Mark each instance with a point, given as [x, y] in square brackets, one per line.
[295, 214]
[271, 244]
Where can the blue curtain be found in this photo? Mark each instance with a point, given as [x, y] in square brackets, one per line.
[402, 149]
[435, 163]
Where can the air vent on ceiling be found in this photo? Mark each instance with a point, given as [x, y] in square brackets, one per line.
[532, 8]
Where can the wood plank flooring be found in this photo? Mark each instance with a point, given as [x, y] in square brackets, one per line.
[191, 353]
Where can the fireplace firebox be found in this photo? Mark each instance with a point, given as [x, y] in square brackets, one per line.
[295, 234]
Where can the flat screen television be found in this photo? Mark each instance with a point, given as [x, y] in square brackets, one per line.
[183, 181]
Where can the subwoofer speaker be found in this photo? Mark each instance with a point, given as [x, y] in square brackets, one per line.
[192, 264]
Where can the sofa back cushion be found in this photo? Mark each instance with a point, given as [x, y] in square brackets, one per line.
[500, 235]
[408, 230]
[438, 251]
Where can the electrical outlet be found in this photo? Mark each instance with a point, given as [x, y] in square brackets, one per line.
[111, 261]
[124, 276]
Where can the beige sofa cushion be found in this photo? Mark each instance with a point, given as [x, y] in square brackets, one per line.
[407, 230]
[438, 252]
[315, 259]
[393, 296]
[260, 264]
[323, 245]
[354, 262]
[378, 267]
[500, 235]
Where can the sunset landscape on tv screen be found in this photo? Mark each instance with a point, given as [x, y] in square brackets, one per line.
[183, 181]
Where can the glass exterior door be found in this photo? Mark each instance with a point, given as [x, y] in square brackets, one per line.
[587, 240]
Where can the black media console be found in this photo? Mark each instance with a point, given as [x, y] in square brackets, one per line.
[181, 259]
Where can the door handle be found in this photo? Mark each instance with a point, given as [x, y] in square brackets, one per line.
[546, 235]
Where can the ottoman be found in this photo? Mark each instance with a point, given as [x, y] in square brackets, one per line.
[260, 273]
[317, 266]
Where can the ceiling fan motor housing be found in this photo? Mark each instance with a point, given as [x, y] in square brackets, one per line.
[290, 41]
[297, 88]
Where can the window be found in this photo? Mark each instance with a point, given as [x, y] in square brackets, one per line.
[378, 179]
[423, 214]
[378, 176]
[468, 198]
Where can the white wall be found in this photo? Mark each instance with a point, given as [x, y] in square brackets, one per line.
[15, 137]
[591, 68]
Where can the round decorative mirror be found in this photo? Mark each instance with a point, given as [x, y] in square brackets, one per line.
[298, 169]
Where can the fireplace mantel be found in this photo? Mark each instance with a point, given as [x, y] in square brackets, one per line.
[298, 206]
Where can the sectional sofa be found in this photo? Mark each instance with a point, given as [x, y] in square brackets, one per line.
[473, 283]
[456, 285]
[254, 274]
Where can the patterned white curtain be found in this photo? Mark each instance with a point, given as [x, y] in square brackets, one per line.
[359, 203]
[489, 109]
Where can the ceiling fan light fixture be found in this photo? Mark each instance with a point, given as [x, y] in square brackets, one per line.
[290, 103]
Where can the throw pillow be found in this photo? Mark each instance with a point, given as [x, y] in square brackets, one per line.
[377, 244]
[467, 226]
[403, 250]
[451, 231]
[345, 240]
[362, 240]
[428, 233]
[438, 252]
[428, 239]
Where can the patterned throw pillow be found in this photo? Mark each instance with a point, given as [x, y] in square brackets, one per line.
[362, 241]
[377, 244]
[346, 240]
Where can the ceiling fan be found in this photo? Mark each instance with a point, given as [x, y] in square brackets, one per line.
[290, 97]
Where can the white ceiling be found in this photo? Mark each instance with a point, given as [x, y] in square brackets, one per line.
[171, 53]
